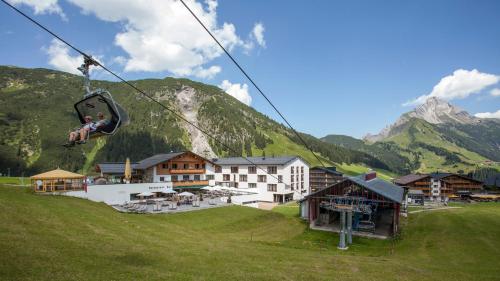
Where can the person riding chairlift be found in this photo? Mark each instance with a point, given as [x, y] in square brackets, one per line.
[79, 136]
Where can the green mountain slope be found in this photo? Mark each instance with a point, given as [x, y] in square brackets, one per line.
[420, 146]
[36, 114]
[439, 148]
[396, 158]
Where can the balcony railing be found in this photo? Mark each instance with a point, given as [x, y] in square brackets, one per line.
[190, 183]
[186, 171]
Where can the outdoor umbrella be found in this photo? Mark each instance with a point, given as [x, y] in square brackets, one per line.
[128, 171]
[185, 193]
[169, 191]
[145, 194]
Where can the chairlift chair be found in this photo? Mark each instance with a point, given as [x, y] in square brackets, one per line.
[99, 100]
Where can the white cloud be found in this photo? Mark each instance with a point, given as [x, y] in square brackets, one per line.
[495, 92]
[461, 84]
[240, 92]
[41, 6]
[161, 35]
[488, 114]
[207, 73]
[120, 60]
[60, 58]
[258, 34]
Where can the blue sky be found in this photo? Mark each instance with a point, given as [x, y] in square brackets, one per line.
[329, 66]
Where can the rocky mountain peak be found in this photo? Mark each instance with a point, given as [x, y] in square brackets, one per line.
[438, 111]
[434, 111]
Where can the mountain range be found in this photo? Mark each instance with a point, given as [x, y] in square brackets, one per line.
[434, 136]
[36, 114]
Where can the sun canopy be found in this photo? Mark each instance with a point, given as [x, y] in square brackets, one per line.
[212, 188]
[145, 194]
[57, 174]
[185, 193]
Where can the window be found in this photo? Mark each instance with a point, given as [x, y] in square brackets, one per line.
[272, 187]
[234, 170]
[218, 169]
[185, 177]
[203, 166]
[291, 169]
[297, 177]
[280, 178]
[252, 170]
[302, 169]
[297, 169]
[292, 178]
[174, 166]
[252, 185]
[261, 178]
[243, 178]
[196, 166]
[302, 177]
[164, 166]
[162, 178]
[226, 177]
[302, 185]
[174, 178]
[210, 177]
[186, 166]
[196, 177]
[272, 169]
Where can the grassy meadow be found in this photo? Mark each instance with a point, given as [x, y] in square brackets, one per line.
[63, 238]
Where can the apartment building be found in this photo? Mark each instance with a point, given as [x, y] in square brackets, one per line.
[272, 179]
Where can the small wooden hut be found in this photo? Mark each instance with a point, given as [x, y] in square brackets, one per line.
[57, 180]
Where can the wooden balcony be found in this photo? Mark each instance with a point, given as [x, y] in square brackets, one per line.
[189, 183]
[186, 171]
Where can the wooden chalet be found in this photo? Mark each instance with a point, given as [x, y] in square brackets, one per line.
[186, 170]
[321, 177]
[416, 182]
[440, 185]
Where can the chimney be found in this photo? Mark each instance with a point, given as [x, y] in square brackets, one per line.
[370, 175]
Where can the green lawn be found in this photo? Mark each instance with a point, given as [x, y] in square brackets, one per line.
[14, 180]
[62, 238]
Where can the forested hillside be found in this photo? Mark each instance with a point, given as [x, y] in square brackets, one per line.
[36, 114]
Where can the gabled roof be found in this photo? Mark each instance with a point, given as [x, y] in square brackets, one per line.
[155, 160]
[330, 170]
[441, 176]
[382, 187]
[114, 168]
[404, 180]
[281, 160]
[57, 174]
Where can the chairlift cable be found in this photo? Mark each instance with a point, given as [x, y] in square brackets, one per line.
[136, 88]
[253, 83]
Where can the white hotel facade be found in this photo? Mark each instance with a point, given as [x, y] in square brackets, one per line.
[271, 179]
